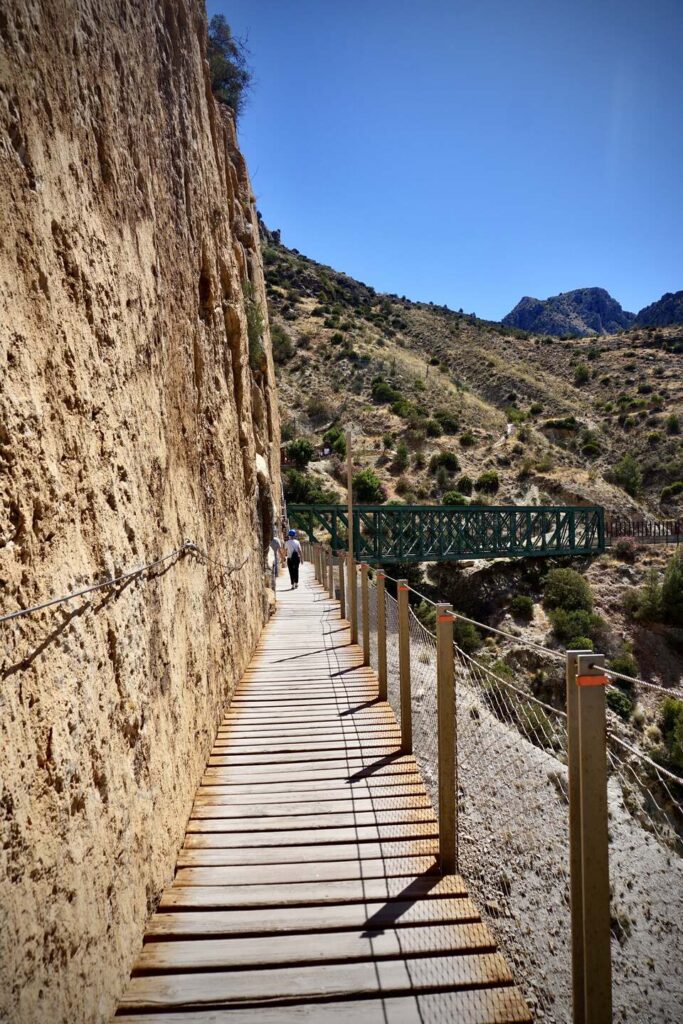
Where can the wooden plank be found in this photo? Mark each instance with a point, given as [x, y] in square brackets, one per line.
[202, 856]
[324, 981]
[499, 1005]
[373, 915]
[320, 871]
[195, 897]
[208, 805]
[329, 947]
[266, 795]
[217, 832]
[210, 819]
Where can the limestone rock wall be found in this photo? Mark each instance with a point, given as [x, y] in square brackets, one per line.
[132, 416]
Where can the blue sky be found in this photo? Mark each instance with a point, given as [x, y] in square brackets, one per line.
[473, 151]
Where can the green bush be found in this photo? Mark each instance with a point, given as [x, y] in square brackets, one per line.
[449, 423]
[283, 349]
[433, 428]
[628, 475]
[581, 374]
[467, 440]
[464, 485]
[401, 459]
[453, 498]
[466, 636]
[255, 328]
[522, 607]
[447, 460]
[488, 482]
[367, 487]
[673, 424]
[383, 392]
[335, 439]
[571, 628]
[625, 549]
[302, 489]
[659, 600]
[300, 452]
[619, 703]
[567, 589]
[536, 408]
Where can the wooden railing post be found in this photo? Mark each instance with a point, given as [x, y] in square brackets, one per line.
[445, 702]
[342, 587]
[330, 573]
[381, 637]
[589, 852]
[365, 611]
[404, 667]
[353, 597]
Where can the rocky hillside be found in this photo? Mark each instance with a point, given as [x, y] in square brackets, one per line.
[517, 418]
[580, 312]
[137, 409]
[666, 311]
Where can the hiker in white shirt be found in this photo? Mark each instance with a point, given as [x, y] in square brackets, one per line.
[294, 558]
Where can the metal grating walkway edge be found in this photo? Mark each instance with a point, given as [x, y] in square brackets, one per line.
[307, 889]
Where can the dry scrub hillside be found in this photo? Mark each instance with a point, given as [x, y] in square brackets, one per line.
[552, 419]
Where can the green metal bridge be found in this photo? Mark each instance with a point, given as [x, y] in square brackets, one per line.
[431, 533]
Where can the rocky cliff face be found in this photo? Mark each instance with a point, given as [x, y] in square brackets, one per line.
[135, 412]
[581, 312]
[662, 313]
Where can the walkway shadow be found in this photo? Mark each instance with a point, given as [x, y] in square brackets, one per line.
[360, 707]
[376, 766]
[388, 914]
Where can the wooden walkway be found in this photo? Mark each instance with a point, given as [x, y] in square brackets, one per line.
[307, 889]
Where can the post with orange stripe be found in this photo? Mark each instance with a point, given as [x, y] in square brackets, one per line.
[588, 837]
[381, 637]
[365, 611]
[445, 704]
[404, 667]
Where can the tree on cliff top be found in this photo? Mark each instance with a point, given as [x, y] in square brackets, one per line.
[230, 74]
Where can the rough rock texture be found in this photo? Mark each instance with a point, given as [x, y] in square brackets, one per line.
[581, 312]
[131, 417]
[665, 311]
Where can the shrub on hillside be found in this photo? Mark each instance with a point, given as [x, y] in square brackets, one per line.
[522, 607]
[318, 410]
[453, 498]
[620, 703]
[447, 460]
[433, 428]
[464, 485]
[449, 423]
[283, 349]
[401, 458]
[367, 487]
[581, 374]
[671, 491]
[467, 440]
[660, 600]
[673, 424]
[488, 482]
[466, 636]
[302, 489]
[335, 439]
[300, 452]
[625, 549]
[383, 392]
[571, 628]
[567, 589]
[628, 475]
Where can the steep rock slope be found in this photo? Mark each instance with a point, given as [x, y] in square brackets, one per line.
[580, 312]
[136, 410]
[665, 311]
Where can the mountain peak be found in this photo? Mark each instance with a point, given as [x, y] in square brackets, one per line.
[580, 312]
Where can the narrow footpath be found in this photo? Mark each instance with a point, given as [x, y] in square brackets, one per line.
[307, 889]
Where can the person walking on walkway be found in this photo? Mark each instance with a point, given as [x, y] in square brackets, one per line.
[294, 558]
